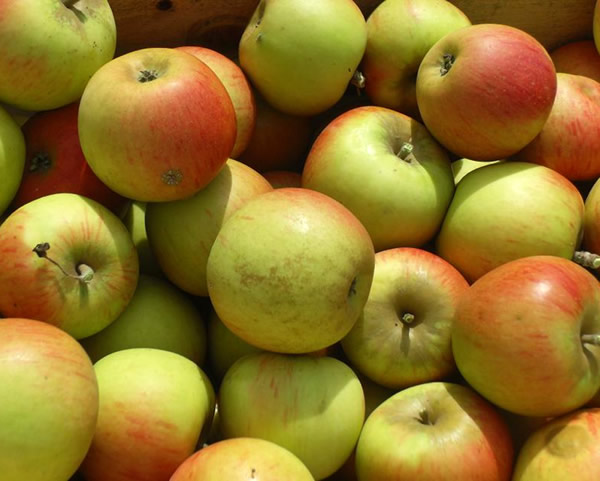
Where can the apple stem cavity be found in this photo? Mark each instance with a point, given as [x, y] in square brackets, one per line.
[447, 63]
[587, 259]
[40, 161]
[424, 417]
[405, 150]
[84, 272]
[591, 339]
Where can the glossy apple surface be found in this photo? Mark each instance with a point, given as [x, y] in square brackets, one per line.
[485, 91]
[523, 336]
[12, 158]
[170, 121]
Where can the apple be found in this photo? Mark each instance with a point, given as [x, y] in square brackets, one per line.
[485, 91]
[240, 459]
[577, 58]
[526, 336]
[291, 46]
[399, 34]
[591, 219]
[170, 121]
[596, 25]
[238, 87]
[12, 158]
[569, 142]
[159, 316]
[135, 221]
[312, 406]
[51, 48]
[461, 167]
[66, 260]
[279, 140]
[55, 163]
[49, 401]
[154, 405]
[403, 336]
[290, 271]
[181, 233]
[506, 211]
[433, 431]
[388, 170]
[564, 448]
[283, 178]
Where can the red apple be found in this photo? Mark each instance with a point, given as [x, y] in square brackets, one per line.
[156, 124]
[485, 91]
[48, 402]
[55, 163]
[239, 89]
[578, 58]
[569, 142]
[526, 336]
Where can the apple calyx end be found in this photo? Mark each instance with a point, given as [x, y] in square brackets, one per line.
[40, 162]
[587, 259]
[447, 62]
[84, 272]
[147, 76]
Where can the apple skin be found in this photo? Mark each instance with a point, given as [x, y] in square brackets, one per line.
[290, 271]
[279, 140]
[181, 233]
[578, 58]
[569, 142]
[596, 25]
[170, 121]
[55, 163]
[485, 91]
[289, 46]
[135, 221]
[397, 352]
[241, 459]
[517, 336]
[564, 448]
[159, 316]
[80, 231]
[399, 34]
[238, 87]
[312, 406]
[12, 158]
[400, 198]
[461, 167]
[434, 431]
[49, 401]
[154, 405]
[49, 50]
[506, 211]
[591, 219]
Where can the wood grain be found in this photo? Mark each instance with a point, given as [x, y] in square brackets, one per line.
[219, 23]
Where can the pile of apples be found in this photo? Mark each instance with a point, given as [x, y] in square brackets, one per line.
[364, 249]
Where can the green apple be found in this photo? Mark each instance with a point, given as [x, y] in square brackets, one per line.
[312, 406]
[291, 46]
[241, 459]
[596, 25]
[591, 219]
[135, 221]
[461, 167]
[66, 260]
[526, 336]
[154, 405]
[388, 170]
[12, 158]
[48, 403]
[434, 431]
[399, 34]
[564, 448]
[403, 336]
[159, 316]
[49, 49]
[169, 119]
[181, 233]
[506, 211]
[290, 271]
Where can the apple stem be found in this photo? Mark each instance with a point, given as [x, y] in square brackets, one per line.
[405, 150]
[591, 339]
[358, 80]
[587, 259]
[408, 318]
[84, 272]
[69, 3]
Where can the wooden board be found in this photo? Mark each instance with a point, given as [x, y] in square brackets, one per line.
[219, 23]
